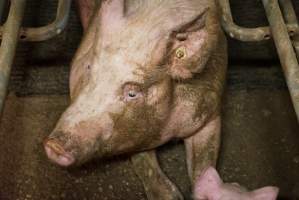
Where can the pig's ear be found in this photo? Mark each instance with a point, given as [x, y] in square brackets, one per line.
[208, 183]
[190, 49]
[112, 14]
[86, 10]
[265, 193]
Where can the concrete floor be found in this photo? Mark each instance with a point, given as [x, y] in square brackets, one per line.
[260, 143]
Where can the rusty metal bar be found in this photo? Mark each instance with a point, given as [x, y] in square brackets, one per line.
[9, 44]
[242, 33]
[285, 49]
[48, 31]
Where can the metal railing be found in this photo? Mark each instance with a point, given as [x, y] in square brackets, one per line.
[48, 31]
[283, 28]
[9, 44]
[12, 32]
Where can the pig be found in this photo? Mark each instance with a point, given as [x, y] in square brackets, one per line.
[209, 186]
[146, 72]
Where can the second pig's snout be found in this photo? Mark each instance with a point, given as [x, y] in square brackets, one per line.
[57, 154]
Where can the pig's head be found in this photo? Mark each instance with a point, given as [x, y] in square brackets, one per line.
[123, 76]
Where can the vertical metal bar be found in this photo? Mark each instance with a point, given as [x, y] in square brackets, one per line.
[9, 43]
[288, 12]
[285, 49]
[296, 44]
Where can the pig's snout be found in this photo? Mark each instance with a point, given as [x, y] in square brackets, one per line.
[57, 154]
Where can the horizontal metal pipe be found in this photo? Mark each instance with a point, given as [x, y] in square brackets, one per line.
[48, 31]
[285, 49]
[246, 34]
[9, 44]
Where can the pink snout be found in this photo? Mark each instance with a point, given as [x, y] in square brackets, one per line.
[57, 154]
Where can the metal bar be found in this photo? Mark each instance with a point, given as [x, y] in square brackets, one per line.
[296, 45]
[285, 49]
[237, 32]
[245, 34]
[9, 44]
[290, 18]
[288, 12]
[48, 31]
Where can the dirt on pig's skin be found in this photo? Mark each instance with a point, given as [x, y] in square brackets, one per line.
[126, 124]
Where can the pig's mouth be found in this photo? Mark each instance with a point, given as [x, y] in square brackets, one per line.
[57, 154]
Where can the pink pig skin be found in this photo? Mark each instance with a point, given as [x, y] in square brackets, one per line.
[209, 186]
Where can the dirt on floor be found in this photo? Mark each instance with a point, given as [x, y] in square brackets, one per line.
[260, 146]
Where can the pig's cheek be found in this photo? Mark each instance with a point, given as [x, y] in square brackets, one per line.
[161, 101]
[153, 96]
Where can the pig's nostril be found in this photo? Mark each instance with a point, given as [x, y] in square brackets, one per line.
[55, 146]
[57, 154]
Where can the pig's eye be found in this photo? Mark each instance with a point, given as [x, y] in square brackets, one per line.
[132, 92]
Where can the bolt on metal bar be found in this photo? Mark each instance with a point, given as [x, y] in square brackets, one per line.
[9, 44]
[285, 49]
[242, 33]
[48, 31]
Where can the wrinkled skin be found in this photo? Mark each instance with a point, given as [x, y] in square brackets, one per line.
[146, 72]
[209, 186]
